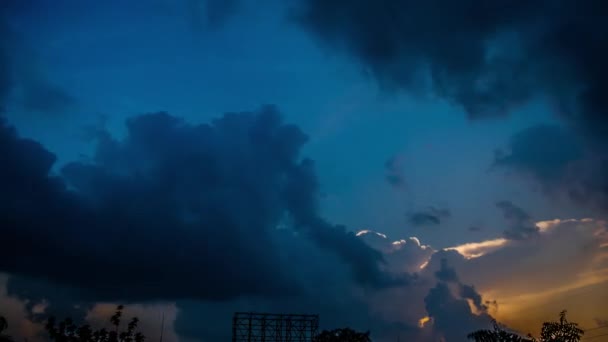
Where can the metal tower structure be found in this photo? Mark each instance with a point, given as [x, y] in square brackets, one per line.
[267, 327]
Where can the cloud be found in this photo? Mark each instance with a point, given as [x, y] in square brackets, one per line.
[542, 150]
[469, 292]
[335, 313]
[42, 298]
[430, 216]
[327, 290]
[521, 226]
[443, 291]
[449, 308]
[477, 249]
[455, 314]
[445, 273]
[573, 246]
[485, 57]
[564, 164]
[23, 80]
[563, 267]
[14, 311]
[401, 256]
[160, 213]
[489, 58]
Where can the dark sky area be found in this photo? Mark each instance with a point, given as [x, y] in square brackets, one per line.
[411, 168]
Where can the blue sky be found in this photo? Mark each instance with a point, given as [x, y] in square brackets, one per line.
[117, 65]
[117, 61]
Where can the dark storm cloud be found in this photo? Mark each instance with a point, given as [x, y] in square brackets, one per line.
[172, 211]
[326, 291]
[397, 39]
[143, 215]
[469, 292]
[21, 74]
[337, 311]
[446, 273]
[451, 313]
[430, 216]
[563, 163]
[362, 259]
[489, 57]
[520, 224]
[485, 56]
[543, 150]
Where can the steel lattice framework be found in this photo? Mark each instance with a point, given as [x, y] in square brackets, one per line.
[266, 327]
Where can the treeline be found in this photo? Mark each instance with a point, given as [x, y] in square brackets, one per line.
[559, 331]
[67, 331]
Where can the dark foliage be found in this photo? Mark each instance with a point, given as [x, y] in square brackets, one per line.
[342, 335]
[4, 326]
[496, 334]
[68, 331]
[561, 331]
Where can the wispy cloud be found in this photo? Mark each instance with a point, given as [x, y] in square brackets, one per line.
[472, 250]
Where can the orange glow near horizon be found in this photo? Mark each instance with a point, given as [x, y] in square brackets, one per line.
[526, 313]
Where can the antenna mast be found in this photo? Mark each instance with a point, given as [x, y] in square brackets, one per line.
[162, 326]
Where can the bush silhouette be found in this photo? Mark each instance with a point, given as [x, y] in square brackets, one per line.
[560, 331]
[4, 326]
[67, 331]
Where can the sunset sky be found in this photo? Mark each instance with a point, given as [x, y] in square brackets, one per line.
[411, 168]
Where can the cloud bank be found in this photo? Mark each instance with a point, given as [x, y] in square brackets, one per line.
[565, 165]
[489, 58]
[169, 208]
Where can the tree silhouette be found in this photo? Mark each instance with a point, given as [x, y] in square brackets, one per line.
[561, 331]
[67, 331]
[342, 335]
[497, 334]
[4, 326]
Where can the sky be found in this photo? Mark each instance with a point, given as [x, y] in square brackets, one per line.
[413, 169]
